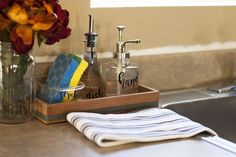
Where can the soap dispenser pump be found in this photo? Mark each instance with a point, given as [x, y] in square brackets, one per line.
[92, 77]
[120, 76]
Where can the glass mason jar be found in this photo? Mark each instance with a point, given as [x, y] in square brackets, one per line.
[16, 85]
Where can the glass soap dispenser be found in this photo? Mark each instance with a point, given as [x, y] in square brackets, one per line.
[91, 77]
[120, 76]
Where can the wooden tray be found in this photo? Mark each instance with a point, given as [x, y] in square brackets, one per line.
[54, 113]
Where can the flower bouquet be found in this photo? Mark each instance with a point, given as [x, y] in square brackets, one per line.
[20, 22]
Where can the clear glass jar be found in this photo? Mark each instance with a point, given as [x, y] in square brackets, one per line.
[17, 89]
[120, 76]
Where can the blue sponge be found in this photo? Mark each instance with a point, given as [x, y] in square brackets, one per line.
[59, 76]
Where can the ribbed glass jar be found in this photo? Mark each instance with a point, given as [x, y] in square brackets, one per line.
[17, 89]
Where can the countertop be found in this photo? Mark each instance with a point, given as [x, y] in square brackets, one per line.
[35, 139]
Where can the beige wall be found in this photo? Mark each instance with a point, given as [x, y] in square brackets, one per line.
[156, 27]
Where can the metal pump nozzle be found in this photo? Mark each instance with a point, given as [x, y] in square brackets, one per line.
[120, 45]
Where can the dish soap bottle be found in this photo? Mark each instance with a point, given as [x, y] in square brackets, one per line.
[91, 77]
[120, 76]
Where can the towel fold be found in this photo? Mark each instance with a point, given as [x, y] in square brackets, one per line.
[142, 126]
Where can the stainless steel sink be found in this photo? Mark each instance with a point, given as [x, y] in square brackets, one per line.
[215, 111]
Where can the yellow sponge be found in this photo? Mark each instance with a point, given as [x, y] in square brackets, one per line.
[76, 76]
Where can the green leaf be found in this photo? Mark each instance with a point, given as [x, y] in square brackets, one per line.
[40, 39]
[5, 36]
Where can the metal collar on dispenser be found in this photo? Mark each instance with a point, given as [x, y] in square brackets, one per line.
[91, 37]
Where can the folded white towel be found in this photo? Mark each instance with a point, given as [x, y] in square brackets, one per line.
[143, 126]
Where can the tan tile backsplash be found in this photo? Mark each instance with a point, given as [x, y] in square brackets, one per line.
[177, 71]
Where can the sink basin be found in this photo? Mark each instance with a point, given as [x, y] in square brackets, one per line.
[217, 113]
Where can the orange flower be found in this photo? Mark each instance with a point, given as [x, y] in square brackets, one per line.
[42, 22]
[17, 14]
[25, 33]
[20, 20]
[49, 8]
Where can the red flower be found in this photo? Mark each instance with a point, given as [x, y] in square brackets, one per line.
[18, 44]
[59, 30]
[4, 3]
